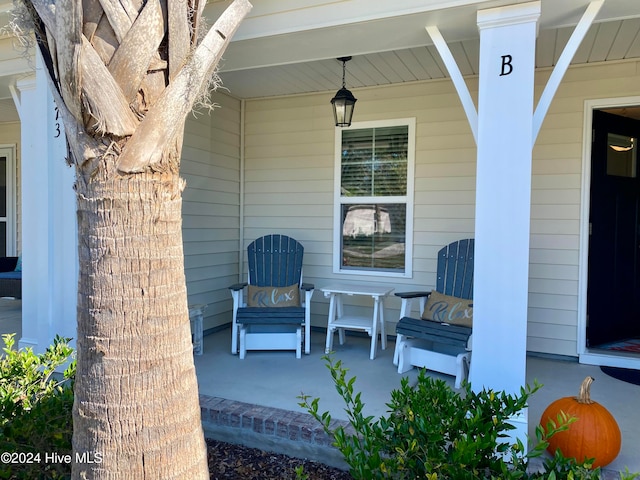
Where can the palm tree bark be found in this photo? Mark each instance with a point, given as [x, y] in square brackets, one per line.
[124, 75]
[136, 402]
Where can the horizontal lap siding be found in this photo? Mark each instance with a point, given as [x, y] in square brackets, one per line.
[556, 203]
[289, 186]
[288, 177]
[211, 208]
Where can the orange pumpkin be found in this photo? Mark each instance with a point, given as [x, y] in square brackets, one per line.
[595, 434]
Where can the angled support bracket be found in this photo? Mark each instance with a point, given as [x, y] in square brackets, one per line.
[552, 85]
[456, 77]
[16, 99]
[561, 67]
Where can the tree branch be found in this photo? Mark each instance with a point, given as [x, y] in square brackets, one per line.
[121, 15]
[100, 93]
[158, 129]
[103, 97]
[130, 62]
[68, 34]
[179, 38]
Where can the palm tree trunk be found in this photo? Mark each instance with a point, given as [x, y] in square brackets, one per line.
[134, 335]
[124, 76]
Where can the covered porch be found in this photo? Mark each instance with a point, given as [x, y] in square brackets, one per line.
[265, 162]
[275, 379]
[266, 384]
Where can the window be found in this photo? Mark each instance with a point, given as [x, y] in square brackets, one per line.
[621, 155]
[7, 201]
[374, 198]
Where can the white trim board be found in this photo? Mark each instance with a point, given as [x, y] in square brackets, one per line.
[584, 354]
[9, 151]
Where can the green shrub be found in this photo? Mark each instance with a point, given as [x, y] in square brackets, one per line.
[35, 410]
[432, 432]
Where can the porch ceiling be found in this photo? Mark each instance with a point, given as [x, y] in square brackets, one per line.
[266, 59]
[290, 46]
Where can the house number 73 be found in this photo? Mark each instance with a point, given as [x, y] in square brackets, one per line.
[57, 124]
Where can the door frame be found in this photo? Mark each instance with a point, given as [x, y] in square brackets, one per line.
[586, 355]
[9, 151]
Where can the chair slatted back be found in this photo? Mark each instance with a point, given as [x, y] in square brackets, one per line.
[455, 269]
[275, 261]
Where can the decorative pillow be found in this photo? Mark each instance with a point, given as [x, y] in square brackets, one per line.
[274, 296]
[447, 309]
[18, 265]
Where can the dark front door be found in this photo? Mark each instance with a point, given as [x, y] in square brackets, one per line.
[613, 304]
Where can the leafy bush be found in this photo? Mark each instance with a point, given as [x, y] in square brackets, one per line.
[35, 410]
[435, 433]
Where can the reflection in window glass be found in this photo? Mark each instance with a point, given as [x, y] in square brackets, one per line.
[621, 155]
[373, 236]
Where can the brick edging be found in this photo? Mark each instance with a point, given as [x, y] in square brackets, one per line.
[274, 429]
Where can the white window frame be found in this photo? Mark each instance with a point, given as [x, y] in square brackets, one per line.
[407, 199]
[9, 151]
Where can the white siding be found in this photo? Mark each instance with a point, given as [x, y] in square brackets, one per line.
[289, 182]
[211, 208]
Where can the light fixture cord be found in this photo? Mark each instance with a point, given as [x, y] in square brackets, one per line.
[344, 67]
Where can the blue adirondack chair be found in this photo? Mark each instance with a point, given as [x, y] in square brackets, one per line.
[438, 345]
[259, 322]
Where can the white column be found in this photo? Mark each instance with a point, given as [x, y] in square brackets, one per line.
[503, 197]
[50, 264]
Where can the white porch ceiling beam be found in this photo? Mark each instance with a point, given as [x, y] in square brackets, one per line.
[456, 77]
[292, 16]
[563, 64]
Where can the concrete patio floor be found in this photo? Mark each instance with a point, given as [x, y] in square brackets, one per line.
[275, 379]
[268, 382]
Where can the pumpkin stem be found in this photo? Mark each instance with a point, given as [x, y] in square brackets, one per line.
[585, 391]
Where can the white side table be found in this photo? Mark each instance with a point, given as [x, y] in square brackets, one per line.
[373, 325]
[195, 317]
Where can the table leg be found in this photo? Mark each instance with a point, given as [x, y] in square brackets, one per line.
[330, 328]
[340, 307]
[374, 330]
[383, 334]
[195, 316]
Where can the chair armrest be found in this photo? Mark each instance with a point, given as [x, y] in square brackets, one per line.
[407, 302]
[307, 286]
[238, 286]
[412, 294]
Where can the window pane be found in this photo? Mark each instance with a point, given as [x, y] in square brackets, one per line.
[3, 186]
[3, 239]
[621, 156]
[374, 161]
[373, 236]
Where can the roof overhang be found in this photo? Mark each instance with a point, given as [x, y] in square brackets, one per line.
[285, 32]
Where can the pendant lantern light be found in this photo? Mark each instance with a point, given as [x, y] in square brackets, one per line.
[344, 101]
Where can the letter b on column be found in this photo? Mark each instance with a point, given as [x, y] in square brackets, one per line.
[507, 67]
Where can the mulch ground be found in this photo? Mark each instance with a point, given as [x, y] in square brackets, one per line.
[229, 461]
